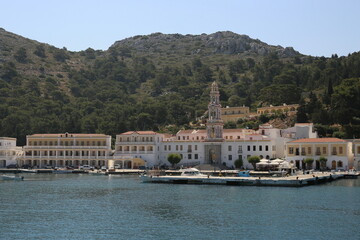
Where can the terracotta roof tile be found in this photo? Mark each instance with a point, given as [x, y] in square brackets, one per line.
[69, 135]
[233, 130]
[139, 132]
[317, 140]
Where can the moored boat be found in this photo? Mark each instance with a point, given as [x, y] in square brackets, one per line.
[15, 178]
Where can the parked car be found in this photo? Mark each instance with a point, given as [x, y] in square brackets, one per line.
[26, 166]
[12, 166]
[117, 166]
[87, 167]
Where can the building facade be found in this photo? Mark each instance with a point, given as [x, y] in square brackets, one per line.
[213, 145]
[338, 152]
[234, 113]
[132, 145]
[356, 151]
[9, 152]
[60, 150]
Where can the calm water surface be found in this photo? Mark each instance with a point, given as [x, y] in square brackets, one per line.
[50, 206]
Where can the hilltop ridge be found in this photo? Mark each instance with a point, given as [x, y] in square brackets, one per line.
[224, 42]
[161, 82]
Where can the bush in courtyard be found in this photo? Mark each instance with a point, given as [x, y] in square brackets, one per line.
[238, 163]
[174, 158]
[253, 160]
[309, 162]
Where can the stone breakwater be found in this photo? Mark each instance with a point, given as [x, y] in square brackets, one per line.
[288, 181]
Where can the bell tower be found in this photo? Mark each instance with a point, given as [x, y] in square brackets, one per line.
[214, 125]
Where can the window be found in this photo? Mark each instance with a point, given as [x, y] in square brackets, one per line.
[358, 150]
[248, 148]
[309, 150]
[181, 147]
[229, 148]
[334, 151]
[195, 147]
[230, 157]
[189, 156]
[189, 148]
[324, 150]
[266, 148]
[291, 150]
[169, 147]
[177, 147]
[340, 150]
[303, 151]
[339, 164]
[165, 147]
[254, 148]
[196, 156]
[260, 148]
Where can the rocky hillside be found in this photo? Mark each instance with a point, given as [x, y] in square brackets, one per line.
[161, 82]
[217, 43]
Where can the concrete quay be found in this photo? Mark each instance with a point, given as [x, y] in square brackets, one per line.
[288, 181]
[65, 171]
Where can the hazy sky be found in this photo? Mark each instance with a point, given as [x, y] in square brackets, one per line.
[313, 27]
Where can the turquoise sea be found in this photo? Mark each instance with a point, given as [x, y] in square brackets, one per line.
[71, 206]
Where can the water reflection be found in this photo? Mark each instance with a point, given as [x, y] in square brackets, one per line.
[101, 207]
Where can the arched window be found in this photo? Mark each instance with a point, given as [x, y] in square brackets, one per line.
[339, 164]
[333, 164]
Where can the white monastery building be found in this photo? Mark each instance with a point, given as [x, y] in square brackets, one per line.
[9, 152]
[213, 145]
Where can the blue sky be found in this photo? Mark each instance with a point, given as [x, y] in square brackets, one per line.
[313, 27]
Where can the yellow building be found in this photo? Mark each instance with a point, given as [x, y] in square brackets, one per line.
[338, 152]
[234, 113]
[288, 109]
[60, 150]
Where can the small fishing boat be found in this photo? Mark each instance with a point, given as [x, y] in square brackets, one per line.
[14, 178]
